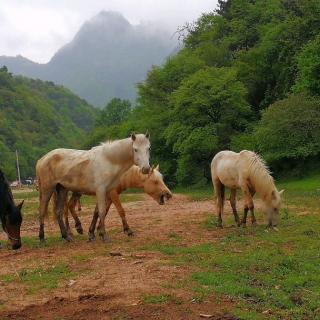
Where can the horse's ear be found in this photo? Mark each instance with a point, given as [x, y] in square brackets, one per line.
[157, 167]
[147, 135]
[281, 192]
[19, 206]
[133, 136]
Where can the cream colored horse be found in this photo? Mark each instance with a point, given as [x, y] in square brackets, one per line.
[92, 172]
[152, 184]
[248, 172]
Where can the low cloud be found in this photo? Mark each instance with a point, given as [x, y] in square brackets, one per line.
[36, 29]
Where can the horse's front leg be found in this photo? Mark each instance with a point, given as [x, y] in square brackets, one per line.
[102, 210]
[95, 219]
[248, 206]
[116, 201]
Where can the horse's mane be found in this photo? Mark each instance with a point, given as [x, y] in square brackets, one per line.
[6, 202]
[260, 174]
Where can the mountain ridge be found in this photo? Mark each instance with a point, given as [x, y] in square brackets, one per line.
[106, 58]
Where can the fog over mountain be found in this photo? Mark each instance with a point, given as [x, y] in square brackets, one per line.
[106, 58]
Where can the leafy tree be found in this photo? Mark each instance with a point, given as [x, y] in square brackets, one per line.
[290, 130]
[115, 112]
[309, 68]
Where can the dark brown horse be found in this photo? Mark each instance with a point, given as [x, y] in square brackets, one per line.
[10, 214]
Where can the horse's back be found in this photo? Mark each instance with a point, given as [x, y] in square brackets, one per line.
[224, 167]
[60, 163]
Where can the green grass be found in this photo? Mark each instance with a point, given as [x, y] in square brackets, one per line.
[261, 271]
[40, 278]
[160, 299]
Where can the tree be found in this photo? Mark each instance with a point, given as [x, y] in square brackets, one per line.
[290, 130]
[115, 112]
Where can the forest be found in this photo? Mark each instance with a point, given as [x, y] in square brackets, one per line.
[36, 117]
[248, 77]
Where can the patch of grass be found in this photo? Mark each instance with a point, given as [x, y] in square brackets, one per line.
[210, 223]
[50, 241]
[160, 299]
[26, 195]
[82, 257]
[125, 197]
[41, 279]
[196, 194]
[275, 270]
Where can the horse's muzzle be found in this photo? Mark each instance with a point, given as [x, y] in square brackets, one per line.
[15, 245]
[145, 170]
[164, 196]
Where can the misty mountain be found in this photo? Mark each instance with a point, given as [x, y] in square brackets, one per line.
[105, 59]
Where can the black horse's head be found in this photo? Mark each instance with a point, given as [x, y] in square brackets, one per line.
[10, 214]
[11, 225]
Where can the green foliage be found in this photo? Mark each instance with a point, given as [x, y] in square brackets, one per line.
[290, 129]
[36, 117]
[236, 62]
[115, 112]
[309, 68]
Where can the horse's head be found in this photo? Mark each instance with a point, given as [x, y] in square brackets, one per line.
[155, 187]
[141, 151]
[12, 226]
[272, 208]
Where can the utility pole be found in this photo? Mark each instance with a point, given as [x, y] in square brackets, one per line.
[18, 168]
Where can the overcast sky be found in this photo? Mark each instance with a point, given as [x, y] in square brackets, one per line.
[36, 29]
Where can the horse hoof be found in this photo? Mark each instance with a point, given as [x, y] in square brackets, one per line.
[103, 237]
[130, 233]
[68, 238]
[79, 230]
[220, 226]
[275, 229]
[91, 237]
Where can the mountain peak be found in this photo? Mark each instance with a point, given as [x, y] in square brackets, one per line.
[109, 19]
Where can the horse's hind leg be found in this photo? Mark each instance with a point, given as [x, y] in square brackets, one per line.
[62, 195]
[219, 189]
[44, 197]
[75, 198]
[233, 198]
[66, 220]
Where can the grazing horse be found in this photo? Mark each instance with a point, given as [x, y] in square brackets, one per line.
[10, 214]
[91, 172]
[152, 184]
[246, 171]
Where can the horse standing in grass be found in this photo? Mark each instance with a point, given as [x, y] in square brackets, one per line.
[91, 172]
[152, 184]
[248, 172]
[10, 214]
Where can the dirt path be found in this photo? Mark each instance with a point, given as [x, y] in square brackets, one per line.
[101, 286]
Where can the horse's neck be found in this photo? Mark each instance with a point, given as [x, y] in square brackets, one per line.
[263, 185]
[131, 179]
[119, 152]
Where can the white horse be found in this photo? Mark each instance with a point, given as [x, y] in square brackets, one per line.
[246, 171]
[91, 172]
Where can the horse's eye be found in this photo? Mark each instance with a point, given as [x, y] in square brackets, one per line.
[135, 150]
